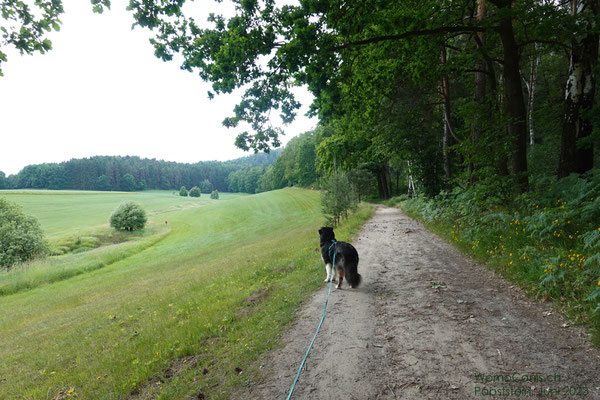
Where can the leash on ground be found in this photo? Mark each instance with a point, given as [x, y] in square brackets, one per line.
[320, 323]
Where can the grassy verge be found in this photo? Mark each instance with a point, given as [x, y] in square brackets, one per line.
[547, 241]
[181, 318]
[57, 268]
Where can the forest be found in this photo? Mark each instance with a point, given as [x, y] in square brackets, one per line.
[132, 174]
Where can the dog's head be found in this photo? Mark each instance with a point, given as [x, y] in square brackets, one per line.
[326, 234]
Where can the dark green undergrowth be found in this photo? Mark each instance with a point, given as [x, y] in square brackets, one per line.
[547, 240]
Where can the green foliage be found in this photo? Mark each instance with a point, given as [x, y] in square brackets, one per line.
[338, 198]
[194, 192]
[128, 183]
[87, 173]
[547, 239]
[183, 191]
[295, 166]
[214, 195]
[27, 25]
[363, 180]
[21, 237]
[102, 183]
[206, 186]
[129, 216]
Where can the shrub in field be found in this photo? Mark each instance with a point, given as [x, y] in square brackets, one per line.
[183, 191]
[129, 216]
[214, 195]
[21, 237]
[194, 192]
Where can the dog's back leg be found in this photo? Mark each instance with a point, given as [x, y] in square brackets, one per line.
[340, 274]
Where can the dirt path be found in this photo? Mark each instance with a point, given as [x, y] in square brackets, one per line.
[425, 323]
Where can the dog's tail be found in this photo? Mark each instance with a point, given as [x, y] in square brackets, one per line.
[353, 277]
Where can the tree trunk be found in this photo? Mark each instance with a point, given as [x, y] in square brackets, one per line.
[446, 114]
[480, 88]
[515, 102]
[579, 97]
[388, 179]
[531, 90]
[411, 184]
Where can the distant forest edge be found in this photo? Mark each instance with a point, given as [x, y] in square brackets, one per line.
[132, 173]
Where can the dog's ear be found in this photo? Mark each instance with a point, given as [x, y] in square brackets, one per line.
[320, 231]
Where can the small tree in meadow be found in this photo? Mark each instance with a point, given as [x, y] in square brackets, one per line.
[338, 197]
[183, 191]
[214, 195]
[129, 216]
[194, 192]
[21, 237]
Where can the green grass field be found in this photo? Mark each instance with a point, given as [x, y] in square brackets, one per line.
[178, 315]
[66, 213]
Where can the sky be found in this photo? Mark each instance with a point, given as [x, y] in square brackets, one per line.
[101, 91]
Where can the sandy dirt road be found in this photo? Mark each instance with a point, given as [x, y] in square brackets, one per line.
[428, 323]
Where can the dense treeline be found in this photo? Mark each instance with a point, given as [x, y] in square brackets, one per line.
[300, 164]
[295, 166]
[130, 174]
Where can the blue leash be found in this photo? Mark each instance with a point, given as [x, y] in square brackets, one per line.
[320, 323]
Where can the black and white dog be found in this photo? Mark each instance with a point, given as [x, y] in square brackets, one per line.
[346, 258]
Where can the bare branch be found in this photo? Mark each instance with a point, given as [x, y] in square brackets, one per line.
[424, 32]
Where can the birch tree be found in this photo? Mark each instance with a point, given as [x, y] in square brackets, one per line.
[577, 155]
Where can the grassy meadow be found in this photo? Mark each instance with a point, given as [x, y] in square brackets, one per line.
[179, 312]
[64, 213]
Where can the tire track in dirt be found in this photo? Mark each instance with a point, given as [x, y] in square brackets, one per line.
[425, 321]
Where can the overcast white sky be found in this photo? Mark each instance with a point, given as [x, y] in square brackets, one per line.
[101, 91]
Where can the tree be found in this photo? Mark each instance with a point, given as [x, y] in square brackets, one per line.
[129, 216]
[3, 181]
[128, 183]
[102, 183]
[206, 186]
[183, 191]
[362, 179]
[214, 195]
[21, 237]
[338, 197]
[194, 192]
[577, 151]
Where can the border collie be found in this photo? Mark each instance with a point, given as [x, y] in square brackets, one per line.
[346, 258]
